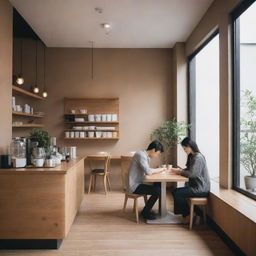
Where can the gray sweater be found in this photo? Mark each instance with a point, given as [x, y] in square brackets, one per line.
[198, 175]
[138, 168]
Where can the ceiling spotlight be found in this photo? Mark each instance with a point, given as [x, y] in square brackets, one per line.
[36, 89]
[98, 10]
[106, 25]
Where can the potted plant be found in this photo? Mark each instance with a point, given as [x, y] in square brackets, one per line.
[248, 138]
[43, 139]
[170, 133]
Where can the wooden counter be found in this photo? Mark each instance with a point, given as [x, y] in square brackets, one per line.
[39, 204]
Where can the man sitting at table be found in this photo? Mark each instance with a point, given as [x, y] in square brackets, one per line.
[138, 169]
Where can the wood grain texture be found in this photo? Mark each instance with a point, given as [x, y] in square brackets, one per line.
[62, 168]
[165, 177]
[101, 228]
[20, 91]
[40, 205]
[236, 215]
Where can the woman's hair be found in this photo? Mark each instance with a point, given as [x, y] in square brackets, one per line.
[187, 142]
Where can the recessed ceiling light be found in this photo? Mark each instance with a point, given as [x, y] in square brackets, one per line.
[98, 10]
[106, 25]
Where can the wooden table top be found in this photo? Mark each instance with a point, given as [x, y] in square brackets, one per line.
[165, 177]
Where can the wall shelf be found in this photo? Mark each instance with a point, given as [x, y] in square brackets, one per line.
[90, 122]
[27, 126]
[92, 106]
[20, 91]
[94, 138]
[26, 114]
[101, 130]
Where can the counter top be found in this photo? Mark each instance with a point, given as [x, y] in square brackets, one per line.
[62, 168]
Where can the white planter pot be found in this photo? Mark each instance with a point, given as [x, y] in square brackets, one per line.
[250, 182]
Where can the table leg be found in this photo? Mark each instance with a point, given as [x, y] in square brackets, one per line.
[164, 216]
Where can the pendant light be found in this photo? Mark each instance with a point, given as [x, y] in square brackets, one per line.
[45, 94]
[19, 78]
[92, 60]
[36, 88]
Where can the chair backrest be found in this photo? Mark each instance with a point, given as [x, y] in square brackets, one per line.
[99, 158]
[125, 164]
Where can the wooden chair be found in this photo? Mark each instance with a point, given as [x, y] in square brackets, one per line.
[135, 204]
[194, 201]
[104, 173]
[125, 164]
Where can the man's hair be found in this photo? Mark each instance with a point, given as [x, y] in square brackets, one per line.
[156, 145]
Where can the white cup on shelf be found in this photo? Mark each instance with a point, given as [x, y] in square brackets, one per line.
[109, 134]
[82, 134]
[91, 118]
[104, 117]
[72, 134]
[98, 118]
[114, 117]
[91, 134]
[98, 134]
[109, 117]
[77, 134]
[66, 134]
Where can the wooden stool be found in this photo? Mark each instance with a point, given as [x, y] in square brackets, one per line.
[197, 201]
[135, 205]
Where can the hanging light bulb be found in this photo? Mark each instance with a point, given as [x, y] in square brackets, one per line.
[45, 94]
[19, 78]
[36, 89]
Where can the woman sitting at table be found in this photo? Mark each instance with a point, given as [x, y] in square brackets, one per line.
[199, 180]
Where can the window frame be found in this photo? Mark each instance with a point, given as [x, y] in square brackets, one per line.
[236, 96]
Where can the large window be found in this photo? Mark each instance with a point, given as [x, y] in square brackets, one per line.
[204, 101]
[244, 98]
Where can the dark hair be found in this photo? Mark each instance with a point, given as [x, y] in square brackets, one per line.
[156, 145]
[187, 142]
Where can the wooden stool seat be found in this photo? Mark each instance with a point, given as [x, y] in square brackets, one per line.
[135, 205]
[193, 201]
[99, 171]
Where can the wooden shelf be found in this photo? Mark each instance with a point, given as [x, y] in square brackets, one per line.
[70, 114]
[90, 122]
[94, 138]
[21, 91]
[94, 106]
[73, 130]
[26, 114]
[28, 126]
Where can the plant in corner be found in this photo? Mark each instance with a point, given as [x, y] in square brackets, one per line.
[248, 138]
[170, 133]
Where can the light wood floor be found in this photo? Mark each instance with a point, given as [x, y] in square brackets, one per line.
[101, 229]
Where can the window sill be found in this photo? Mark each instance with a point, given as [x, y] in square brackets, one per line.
[236, 200]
